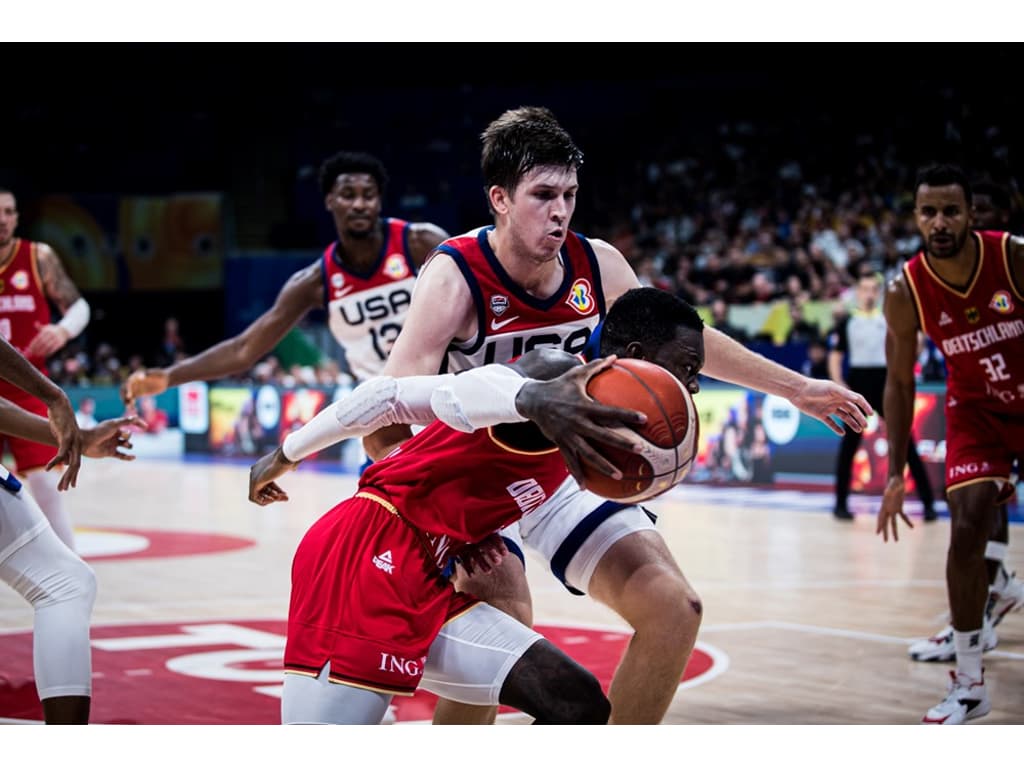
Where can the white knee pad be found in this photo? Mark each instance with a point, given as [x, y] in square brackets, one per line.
[61, 588]
[44, 490]
[317, 701]
[473, 654]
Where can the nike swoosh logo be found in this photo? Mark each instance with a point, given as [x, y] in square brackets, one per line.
[496, 326]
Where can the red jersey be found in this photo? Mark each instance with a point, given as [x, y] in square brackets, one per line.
[23, 304]
[980, 328]
[457, 488]
[511, 322]
[365, 311]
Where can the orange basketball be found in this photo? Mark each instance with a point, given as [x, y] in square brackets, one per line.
[669, 438]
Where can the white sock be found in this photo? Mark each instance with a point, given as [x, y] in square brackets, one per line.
[43, 486]
[969, 647]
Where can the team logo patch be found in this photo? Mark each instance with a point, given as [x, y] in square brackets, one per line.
[19, 280]
[581, 296]
[1001, 302]
[396, 267]
[195, 673]
[973, 315]
[337, 280]
[498, 305]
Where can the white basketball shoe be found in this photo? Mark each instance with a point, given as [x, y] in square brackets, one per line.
[939, 647]
[966, 700]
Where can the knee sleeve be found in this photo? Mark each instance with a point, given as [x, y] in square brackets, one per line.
[61, 588]
[44, 489]
[317, 701]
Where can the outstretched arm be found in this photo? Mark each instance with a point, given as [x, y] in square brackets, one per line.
[300, 293]
[900, 355]
[730, 361]
[19, 372]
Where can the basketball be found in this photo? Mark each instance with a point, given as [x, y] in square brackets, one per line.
[669, 437]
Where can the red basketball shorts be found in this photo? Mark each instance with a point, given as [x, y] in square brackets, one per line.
[367, 598]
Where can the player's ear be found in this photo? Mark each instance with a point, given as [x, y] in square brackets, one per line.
[498, 198]
[635, 349]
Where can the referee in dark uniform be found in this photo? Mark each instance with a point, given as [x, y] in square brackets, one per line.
[861, 338]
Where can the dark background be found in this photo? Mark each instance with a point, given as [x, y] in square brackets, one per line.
[253, 122]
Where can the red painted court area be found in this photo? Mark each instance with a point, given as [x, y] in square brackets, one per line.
[230, 673]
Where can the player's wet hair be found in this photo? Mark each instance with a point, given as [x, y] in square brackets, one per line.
[943, 175]
[649, 315]
[523, 139]
[352, 162]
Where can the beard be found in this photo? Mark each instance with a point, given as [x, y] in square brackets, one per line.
[948, 249]
[360, 234]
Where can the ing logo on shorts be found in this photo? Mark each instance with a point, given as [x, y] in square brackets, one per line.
[581, 296]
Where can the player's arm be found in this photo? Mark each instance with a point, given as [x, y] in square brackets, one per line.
[730, 361]
[104, 440]
[1015, 246]
[59, 289]
[424, 237]
[441, 310]
[15, 369]
[303, 291]
[492, 394]
[617, 276]
[900, 355]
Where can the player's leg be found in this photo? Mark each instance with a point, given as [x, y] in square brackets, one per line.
[308, 700]
[484, 657]
[613, 552]
[844, 468]
[505, 588]
[972, 510]
[1006, 592]
[61, 588]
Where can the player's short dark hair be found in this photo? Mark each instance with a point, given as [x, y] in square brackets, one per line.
[943, 175]
[352, 162]
[523, 139]
[648, 315]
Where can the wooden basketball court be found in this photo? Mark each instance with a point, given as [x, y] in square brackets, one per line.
[806, 619]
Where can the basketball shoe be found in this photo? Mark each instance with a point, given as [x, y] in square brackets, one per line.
[1007, 598]
[940, 647]
[966, 700]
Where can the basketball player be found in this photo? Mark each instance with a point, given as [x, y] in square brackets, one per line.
[964, 290]
[31, 276]
[428, 501]
[990, 210]
[33, 560]
[364, 279]
[529, 281]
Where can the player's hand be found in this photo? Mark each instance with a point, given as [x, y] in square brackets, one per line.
[824, 399]
[108, 438]
[569, 417]
[262, 488]
[484, 555]
[48, 339]
[892, 509]
[148, 381]
[69, 442]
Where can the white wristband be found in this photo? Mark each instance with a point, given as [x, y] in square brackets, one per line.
[479, 398]
[76, 318]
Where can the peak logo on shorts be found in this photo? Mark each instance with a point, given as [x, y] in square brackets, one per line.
[384, 562]
[581, 296]
[1001, 302]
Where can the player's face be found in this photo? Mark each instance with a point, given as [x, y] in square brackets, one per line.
[683, 356]
[541, 208]
[985, 214]
[354, 201]
[942, 219]
[8, 217]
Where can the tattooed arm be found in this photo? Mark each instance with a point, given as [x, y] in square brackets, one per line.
[61, 291]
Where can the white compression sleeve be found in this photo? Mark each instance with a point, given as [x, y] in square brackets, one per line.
[76, 318]
[376, 403]
[479, 398]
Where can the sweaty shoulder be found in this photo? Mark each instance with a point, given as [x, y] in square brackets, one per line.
[424, 237]
[617, 276]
